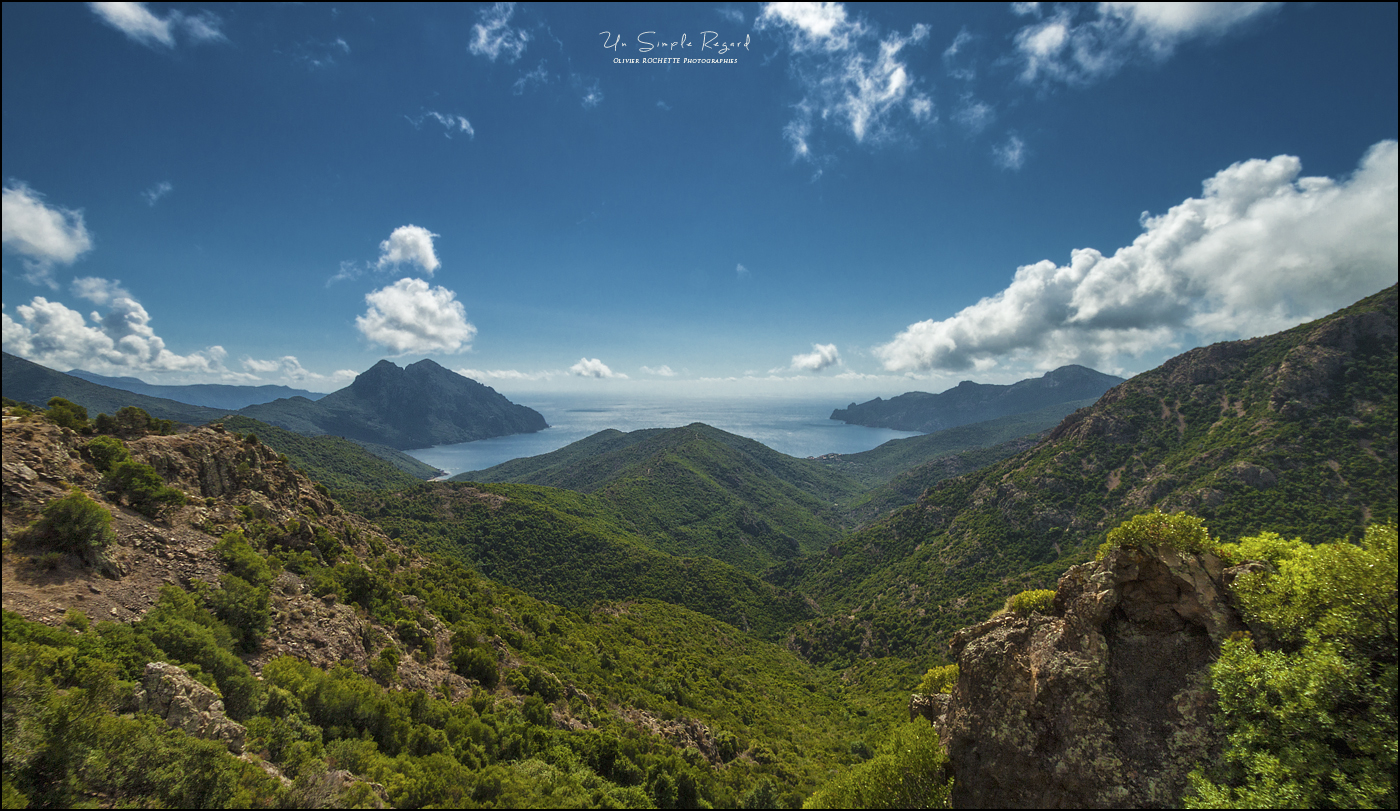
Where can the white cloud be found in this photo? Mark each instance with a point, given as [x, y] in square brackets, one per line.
[120, 341]
[348, 270]
[850, 76]
[408, 244]
[1260, 250]
[821, 357]
[951, 53]
[493, 37]
[1011, 153]
[157, 191]
[973, 114]
[505, 374]
[42, 234]
[288, 369]
[660, 371]
[99, 291]
[408, 316]
[742, 273]
[138, 23]
[592, 95]
[592, 367]
[450, 122]
[1061, 49]
[539, 76]
[731, 15]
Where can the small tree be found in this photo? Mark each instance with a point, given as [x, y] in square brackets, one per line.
[67, 415]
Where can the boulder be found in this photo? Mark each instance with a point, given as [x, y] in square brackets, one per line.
[169, 692]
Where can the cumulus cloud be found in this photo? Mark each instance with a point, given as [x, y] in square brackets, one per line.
[849, 74]
[450, 122]
[821, 357]
[44, 235]
[1262, 249]
[408, 244]
[157, 191]
[660, 371]
[1065, 48]
[140, 25]
[99, 291]
[592, 367]
[493, 37]
[409, 316]
[119, 341]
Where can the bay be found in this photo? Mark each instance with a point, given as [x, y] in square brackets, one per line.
[797, 427]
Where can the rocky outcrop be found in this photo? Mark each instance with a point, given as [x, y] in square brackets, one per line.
[1106, 703]
[185, 704]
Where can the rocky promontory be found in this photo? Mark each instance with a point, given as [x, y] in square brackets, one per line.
[1104, 703]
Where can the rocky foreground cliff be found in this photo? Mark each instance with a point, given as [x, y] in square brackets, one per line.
[1106, 702]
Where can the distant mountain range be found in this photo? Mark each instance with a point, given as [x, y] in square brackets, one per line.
[209, 395]
[970, 402]
[414, 407]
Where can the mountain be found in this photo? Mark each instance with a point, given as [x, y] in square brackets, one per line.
[209, 395]
[975, 402]
[697, 491]
[1293, 433]
[31, 383]
[879, 465]
[417, 406]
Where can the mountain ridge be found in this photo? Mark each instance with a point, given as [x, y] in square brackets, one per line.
[208, 395]
[970, 402]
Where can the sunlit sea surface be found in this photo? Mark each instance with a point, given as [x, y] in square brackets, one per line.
[796, 427]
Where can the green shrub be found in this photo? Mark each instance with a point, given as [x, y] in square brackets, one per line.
[107, 451]
[1035, 601]
[1179, 531]
[1312, 725]
[477, 663]
[76, 620]
[242, 560]
[140, 486]
[908, 772]
[73, 525]
[940, 679]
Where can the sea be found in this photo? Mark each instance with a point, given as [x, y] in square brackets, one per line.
[796, 427]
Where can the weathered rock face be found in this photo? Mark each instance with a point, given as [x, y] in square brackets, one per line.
[1108, 703]
[172, 694]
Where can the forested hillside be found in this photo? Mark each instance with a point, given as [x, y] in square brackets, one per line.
[1293, 433]
[698, 491]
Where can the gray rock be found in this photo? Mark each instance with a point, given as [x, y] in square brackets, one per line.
[185, 704]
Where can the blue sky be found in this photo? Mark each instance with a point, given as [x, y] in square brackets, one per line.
[863, 200]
